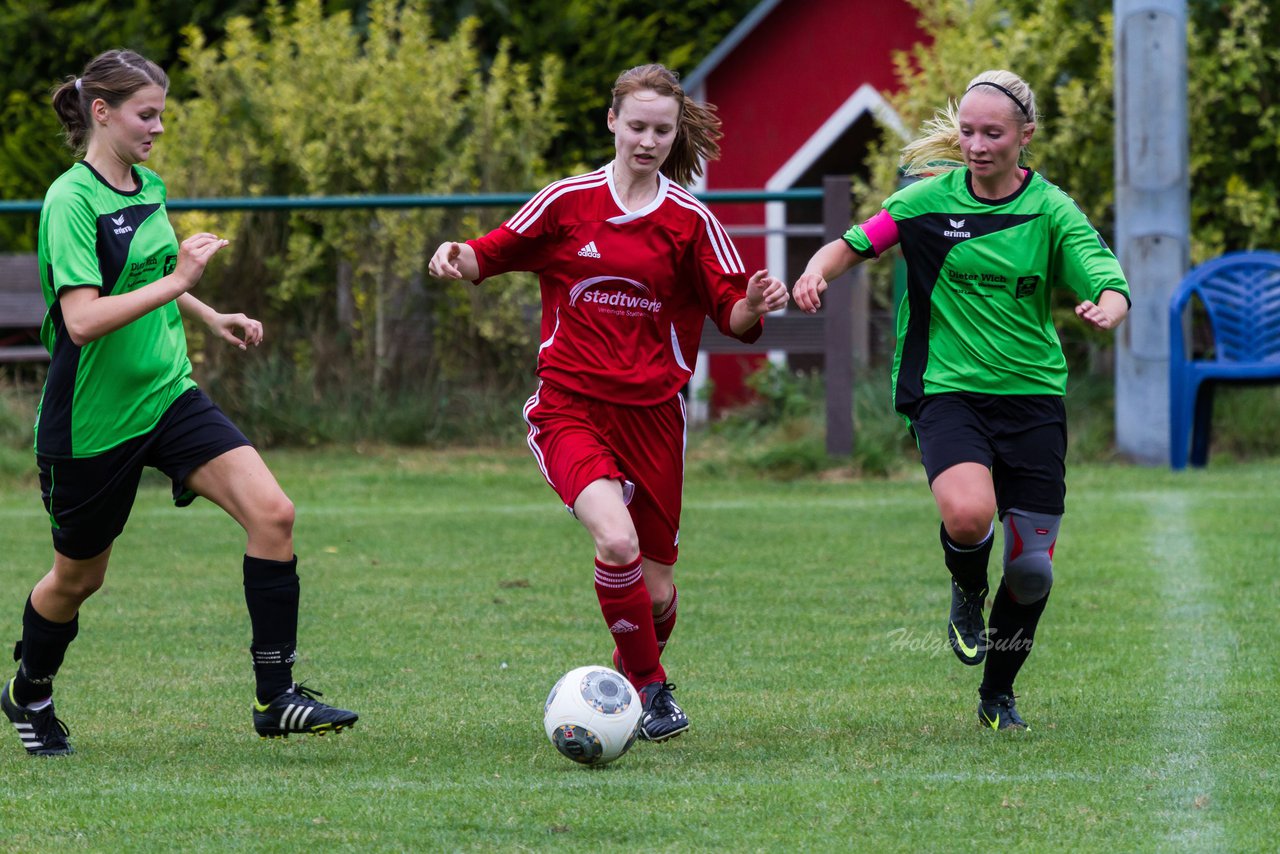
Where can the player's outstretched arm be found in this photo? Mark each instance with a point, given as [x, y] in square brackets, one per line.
[830, 262]
[454, 261]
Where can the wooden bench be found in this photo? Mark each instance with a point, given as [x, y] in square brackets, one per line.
[22, 309]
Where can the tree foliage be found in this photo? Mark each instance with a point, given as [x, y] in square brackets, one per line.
[45, 42]
[1234, 59]
[1064, 49]
[309, 105]
[599, 39]
[302, 97]
[1060, 49]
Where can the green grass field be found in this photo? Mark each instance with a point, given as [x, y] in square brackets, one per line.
[443, 594]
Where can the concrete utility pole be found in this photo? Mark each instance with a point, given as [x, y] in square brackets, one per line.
[1152, 211]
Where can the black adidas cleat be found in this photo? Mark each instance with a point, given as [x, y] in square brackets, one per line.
[41, 732]
[298, 711]
[662, 718]
[1000, 712]
[966, 629]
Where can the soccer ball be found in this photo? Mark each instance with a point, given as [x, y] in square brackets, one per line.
[592, 715]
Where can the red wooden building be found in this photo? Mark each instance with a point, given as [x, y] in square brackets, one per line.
[798, 86]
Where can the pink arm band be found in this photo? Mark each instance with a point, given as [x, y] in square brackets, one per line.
[882, 231]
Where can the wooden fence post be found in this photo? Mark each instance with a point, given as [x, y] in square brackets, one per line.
[837, 306]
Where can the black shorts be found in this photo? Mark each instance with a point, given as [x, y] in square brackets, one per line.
[89, 498]
[1021, 438]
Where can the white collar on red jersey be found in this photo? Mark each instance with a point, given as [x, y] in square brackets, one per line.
[663, 183]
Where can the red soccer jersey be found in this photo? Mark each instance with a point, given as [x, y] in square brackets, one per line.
[624, 293]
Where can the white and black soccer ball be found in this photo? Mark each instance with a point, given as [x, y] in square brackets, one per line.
[592, 715]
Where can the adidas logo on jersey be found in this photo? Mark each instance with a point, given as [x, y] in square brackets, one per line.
[623, 626]
[956, 225]
[589, 251]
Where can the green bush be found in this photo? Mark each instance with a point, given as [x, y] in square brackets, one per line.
[17, 415]
[275, 402]
[1091, 426]
[782, 434]
[1244, 422]
[309, 104]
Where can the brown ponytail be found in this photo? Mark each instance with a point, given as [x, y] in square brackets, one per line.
[112, 76]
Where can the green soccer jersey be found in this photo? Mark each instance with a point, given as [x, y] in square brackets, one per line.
[976, 314]
[117, 387]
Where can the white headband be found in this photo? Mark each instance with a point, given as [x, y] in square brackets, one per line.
[78, 82]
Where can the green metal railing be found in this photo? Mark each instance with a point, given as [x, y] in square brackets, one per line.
[837, 319]
[490, 200]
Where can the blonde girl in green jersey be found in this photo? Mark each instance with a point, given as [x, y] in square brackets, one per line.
[978, 370]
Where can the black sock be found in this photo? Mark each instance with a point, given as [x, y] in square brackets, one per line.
[271, 592]
[968, 564]
[44, 644]
[1012, 630]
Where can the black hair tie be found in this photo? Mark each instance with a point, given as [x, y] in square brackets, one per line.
[1012, 96]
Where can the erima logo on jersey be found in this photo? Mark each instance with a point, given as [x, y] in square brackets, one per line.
[121, 228]
[956, 225]
[589, 251]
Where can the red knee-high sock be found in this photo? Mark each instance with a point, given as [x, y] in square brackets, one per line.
[666, 621]
[628, 612]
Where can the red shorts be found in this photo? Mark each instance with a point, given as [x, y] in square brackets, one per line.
[577, 440]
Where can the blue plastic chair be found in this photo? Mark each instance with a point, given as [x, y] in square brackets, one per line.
[1241, 295]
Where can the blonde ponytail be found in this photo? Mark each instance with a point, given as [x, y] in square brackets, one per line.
[938, 149]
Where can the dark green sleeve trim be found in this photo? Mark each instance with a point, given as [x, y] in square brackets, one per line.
[865, 253]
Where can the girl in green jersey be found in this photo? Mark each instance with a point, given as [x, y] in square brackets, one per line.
[978, 372]
[119, 396]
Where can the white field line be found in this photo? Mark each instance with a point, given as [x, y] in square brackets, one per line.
[1189, 716]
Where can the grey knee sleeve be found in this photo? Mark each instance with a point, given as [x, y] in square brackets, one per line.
[1028, 554]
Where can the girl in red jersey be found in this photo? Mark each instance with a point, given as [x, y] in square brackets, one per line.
[630, 263]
